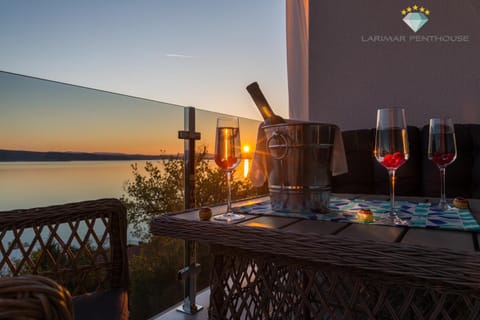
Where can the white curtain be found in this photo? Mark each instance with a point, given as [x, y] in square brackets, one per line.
[297, 58]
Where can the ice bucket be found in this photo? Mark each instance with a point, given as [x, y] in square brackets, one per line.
[300, 175]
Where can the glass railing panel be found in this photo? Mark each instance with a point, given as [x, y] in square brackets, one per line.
[61, 143]
[65, 125]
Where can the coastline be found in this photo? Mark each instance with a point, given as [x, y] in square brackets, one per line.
[49, 156]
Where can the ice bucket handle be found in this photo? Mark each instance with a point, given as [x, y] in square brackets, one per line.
[283, 144]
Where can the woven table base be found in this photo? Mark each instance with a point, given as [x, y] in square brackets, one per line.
[246, 285]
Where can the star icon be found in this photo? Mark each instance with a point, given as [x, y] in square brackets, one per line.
[422, 9]
[415, 7]
[427, 12]
[409, 9]
[404, 12]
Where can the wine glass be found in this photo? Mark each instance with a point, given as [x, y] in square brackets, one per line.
[442, 150]
[227, 157]
[391, 149]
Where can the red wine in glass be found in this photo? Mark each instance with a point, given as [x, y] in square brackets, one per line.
[443, 159]
[227, 157]
[391, 150]
[442, 150]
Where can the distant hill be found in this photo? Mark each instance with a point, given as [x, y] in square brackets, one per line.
[20, 155]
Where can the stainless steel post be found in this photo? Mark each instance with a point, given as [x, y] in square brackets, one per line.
[189, 156]
[189, 273]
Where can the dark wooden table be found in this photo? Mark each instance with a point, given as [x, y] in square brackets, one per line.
[278, 267]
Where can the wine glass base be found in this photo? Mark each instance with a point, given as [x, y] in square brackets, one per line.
[399, 222]
[393, 219]
[443, 206]
[229, 217]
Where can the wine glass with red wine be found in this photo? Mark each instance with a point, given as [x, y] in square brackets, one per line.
[227, 157]
[442, 150]
[391, 150]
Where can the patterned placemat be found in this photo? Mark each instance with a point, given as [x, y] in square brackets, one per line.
[417, 214]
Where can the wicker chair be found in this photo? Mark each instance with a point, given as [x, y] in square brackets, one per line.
[34, 297]
[82, 246]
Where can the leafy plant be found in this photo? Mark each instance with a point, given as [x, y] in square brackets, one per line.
[161, 189]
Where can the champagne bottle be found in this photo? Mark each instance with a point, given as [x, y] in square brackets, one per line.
[267, 113]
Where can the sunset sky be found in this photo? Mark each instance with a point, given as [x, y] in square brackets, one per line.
[41, 115]
[185, 52]
[182, 52]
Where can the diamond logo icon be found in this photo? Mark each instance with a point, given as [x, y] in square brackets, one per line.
[415, 20]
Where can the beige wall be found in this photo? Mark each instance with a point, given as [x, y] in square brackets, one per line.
[351, 76]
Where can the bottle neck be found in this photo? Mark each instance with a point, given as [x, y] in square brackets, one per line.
[266, 111]
[262, 105]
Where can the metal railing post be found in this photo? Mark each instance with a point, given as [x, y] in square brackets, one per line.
[189, 273]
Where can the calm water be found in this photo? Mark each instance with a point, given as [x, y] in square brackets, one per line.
[35, 184]
[32, 184]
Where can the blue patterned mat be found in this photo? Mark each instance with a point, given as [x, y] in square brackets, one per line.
[418, 214]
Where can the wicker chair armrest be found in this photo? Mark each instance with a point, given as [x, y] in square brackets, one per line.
[63, 213]
[34, 297]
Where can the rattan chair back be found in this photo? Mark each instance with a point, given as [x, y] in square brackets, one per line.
[80, 245]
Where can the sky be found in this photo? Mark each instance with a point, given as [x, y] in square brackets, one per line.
[183, 52]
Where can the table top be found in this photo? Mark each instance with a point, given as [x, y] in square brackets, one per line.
[449, 239]
[434, 256]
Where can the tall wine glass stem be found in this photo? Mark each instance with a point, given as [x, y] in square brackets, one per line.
[443, 200]
[391, 174]
[229, 198]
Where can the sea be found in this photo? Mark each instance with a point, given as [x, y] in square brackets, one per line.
[34, 184]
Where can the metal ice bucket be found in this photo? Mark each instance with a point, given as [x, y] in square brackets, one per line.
[300, 175]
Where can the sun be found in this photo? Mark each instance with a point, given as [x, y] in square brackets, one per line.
[246, 148]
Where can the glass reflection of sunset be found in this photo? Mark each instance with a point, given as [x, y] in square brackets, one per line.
[41, 115]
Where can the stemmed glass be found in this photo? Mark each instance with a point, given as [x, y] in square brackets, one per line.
[391, 149]
[227, 157]
[442, 150]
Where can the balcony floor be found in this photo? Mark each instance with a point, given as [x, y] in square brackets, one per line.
[203, 299]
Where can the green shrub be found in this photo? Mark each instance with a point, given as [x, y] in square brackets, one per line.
[153, 281]
[160, 190]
